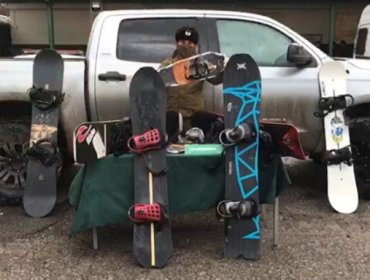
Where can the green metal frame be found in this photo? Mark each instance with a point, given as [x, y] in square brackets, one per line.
[49, 4]
[331, 28]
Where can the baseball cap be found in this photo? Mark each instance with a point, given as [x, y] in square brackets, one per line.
[187, 33]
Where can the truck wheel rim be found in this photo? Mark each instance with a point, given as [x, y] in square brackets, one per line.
[13, 165]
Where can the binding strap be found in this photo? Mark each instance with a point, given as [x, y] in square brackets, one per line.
[45, 99]
[330, 104]
[40, 152]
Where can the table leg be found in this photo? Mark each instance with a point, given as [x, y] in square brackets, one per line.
[263, 211]
[95, 238]
[276, 223]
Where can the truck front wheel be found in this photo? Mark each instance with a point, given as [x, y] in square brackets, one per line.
[360, 138]
[13, 162]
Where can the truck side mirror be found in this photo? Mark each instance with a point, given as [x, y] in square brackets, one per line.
[298, 55]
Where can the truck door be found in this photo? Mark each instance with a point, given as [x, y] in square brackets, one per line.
[125, 45]
[288, 92]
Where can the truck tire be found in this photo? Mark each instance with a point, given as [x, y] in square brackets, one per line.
[360, 139]
[13, 163]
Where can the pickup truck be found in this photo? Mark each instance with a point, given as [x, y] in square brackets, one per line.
[96, 86]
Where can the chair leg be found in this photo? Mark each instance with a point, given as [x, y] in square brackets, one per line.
[276, 223]
[95, 238]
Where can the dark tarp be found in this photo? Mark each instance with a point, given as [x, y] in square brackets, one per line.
[103, 191]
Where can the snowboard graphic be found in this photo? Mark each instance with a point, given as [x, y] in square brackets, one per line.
[43, 156]
[242, 90]
[152, 233]
[342, 188]
[95, 140]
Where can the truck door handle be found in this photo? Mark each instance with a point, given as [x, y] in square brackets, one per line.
[112, 76]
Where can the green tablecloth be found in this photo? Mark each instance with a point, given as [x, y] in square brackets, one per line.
[102, 192]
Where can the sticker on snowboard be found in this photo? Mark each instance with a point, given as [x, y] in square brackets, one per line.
[43, 155]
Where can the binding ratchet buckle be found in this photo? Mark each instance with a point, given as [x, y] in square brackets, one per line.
[330, 104]
[150, 140]
[147, 213]
[240, 209]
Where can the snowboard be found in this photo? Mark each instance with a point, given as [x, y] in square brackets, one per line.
[342, 188]
[152, 245]
[43, 155]
[195, 68]
[240, 209]
[285, 138]
[95, 140]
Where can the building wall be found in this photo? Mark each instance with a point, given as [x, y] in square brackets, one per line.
[73, 21]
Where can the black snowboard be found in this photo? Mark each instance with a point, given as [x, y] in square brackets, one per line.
[43, 157]
[242, 89]
[152, 241]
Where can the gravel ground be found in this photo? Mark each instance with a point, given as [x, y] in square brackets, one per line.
[315, 243]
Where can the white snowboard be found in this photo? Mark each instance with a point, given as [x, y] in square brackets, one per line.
[342, 189]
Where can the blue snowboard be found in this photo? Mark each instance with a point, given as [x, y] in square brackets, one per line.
[242, 90]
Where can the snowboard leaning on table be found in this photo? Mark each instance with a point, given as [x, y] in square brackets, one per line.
[242, 89]
[152, 241]
[41, 183]
[342, 188]
[95, 140]
[285, 138]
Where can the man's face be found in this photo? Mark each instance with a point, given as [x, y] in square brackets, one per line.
[186, 48]
[185, 43]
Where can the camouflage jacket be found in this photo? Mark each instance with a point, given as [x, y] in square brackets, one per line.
[186, 99]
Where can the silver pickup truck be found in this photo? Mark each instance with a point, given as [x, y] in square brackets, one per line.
[96, 86]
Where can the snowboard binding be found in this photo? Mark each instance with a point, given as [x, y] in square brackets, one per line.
[147, 213]
[201, 68]
[149, 140]
[239, 209]
[45, 99]
[343, 155]
[121, 133]
[198, 70]
[330, 104]
[242, 133]
[41, 152]
[268, 147]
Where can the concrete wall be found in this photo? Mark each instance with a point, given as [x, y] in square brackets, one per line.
[29, 24]
[73, 22]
